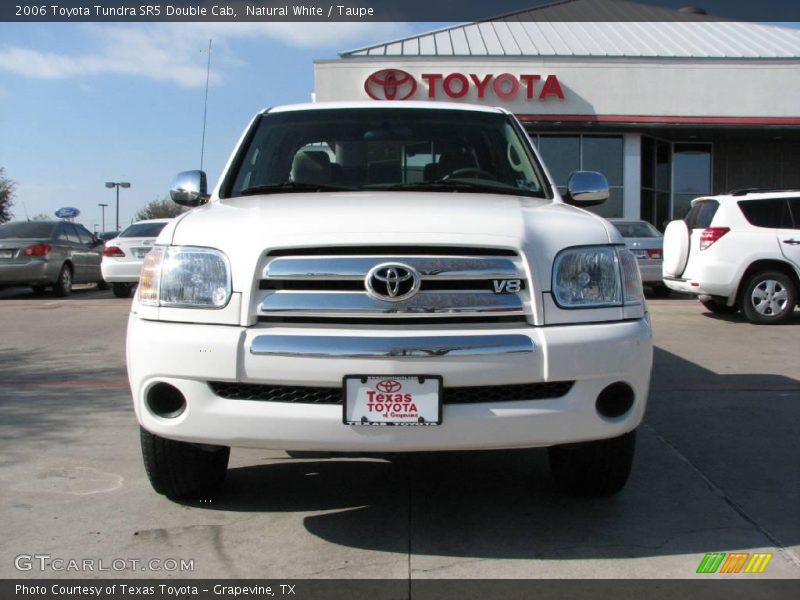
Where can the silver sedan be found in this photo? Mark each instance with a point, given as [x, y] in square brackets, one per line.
[49, 253]
[647, 244]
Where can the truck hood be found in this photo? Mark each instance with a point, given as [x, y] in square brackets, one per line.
[247, 227]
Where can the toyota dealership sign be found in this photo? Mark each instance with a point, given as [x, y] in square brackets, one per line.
[395, 84]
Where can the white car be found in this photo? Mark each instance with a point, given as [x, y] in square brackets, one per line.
[738, 251]
[388, 277]
[123, 255]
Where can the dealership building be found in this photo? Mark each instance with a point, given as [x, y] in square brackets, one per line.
[669, 105]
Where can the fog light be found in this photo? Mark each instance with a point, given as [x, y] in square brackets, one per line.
[615, 400]
[165, 401]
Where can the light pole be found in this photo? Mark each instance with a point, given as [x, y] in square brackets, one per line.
[117, 184]
[103, 210]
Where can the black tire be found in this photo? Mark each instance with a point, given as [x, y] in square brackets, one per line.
[183, 470]
[594, 469]
[102, 285]
[660, 290]
[719, 308]
[63, 285]
[768, 298]
[122, 290]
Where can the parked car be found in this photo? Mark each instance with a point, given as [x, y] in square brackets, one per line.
[123, 255]
[738, 251]
[45, 254]
[388, 277]
[104, 236]
[647, 244]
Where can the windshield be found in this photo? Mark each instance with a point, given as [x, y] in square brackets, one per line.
[26, 230]
[385, 149]
[637, 229]
[143, 230]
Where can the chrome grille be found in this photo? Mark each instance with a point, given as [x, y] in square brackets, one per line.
[459, 283]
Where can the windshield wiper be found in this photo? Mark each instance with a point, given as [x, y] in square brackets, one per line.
[292, 186]
[462, 185]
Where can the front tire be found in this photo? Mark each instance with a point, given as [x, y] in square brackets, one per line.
[769, 298]
[63, 285]
[719, 308]
[122, 290]
[594, 469]
[183, 470]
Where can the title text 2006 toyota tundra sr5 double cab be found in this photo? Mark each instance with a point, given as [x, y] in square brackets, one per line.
[388, 277]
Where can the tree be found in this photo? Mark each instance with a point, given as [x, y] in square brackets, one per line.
[6, 196]
[163, 208]
[41, 217]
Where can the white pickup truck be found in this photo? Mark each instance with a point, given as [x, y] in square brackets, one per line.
[388, 277]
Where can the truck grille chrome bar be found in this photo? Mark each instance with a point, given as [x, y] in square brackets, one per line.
[349, 304]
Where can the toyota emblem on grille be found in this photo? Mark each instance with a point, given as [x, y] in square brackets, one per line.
[392, 282]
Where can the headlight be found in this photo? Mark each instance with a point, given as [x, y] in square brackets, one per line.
[596, 276]
[185, 276]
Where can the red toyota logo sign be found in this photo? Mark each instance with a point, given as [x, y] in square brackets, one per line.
[389, 386]
[390, 84]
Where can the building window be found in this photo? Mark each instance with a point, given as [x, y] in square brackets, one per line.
[691, 175]
[656, 181]
[565, 154]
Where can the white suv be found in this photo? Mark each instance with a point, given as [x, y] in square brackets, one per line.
[738, 251]
[388, 277]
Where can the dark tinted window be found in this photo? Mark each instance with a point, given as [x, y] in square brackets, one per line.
[794, 206]
[143, 230]
[26, 230]
[767, 213]
[85, 236]
[701, 214]
[72, 234]
[636, 229]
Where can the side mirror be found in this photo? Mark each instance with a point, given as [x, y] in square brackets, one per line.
[189, 188]
[586, 188]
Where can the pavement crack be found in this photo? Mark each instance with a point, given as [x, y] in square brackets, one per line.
[787, 553]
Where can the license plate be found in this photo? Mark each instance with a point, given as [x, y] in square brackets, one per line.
[6, 253]
[640, 254]
[392, 400]
[140, 252]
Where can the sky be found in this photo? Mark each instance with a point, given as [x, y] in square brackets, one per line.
[86, 103]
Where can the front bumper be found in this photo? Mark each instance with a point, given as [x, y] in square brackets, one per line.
[187, 356]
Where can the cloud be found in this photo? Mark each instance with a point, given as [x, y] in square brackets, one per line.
[171, 52]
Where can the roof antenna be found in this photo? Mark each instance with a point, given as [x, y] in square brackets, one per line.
[25, 208]
[205, 107]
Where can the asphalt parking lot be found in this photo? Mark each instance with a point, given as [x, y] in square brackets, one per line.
[716, 471]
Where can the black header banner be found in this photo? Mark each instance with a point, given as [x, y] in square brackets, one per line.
[391, 10]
